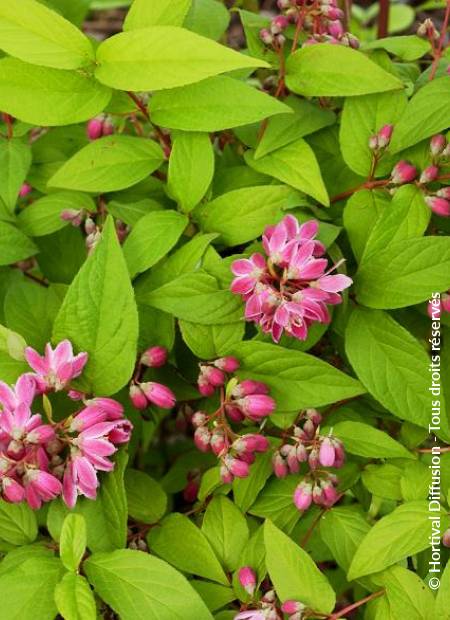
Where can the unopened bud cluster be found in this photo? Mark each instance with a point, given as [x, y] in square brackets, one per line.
[307, 446]
[381, 140]
[144, 394]
[439, 200]
[99, 127]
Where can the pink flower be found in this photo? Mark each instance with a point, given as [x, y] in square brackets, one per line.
[438, 144]
[138, 398]
[227, 364]
[247, 579]
[94, 128]
[57, 367]
[403, 172]
[248, 386]
[248, 273]
[158, 394]
[22, 393]
[12, 491]
[80, 478]
[25, 190]
[279, 465]
[250, 614]
[429, 174]
[40, 486]
[384, 135]
[303, 496]
[292, 607]
[154, 357]
[438, 205]
[256, 406]
[327, 453]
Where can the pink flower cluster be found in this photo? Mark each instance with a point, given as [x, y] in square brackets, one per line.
[309, 447]
[268, 607]
[291, 288]
[321, 21]
[438, 200]
[246, 400]
[99, 126]
[381, 140]
[142, 395]
[40, 461]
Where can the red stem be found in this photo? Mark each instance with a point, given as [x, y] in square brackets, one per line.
[438, 52]
[346, 610]
[383, 19]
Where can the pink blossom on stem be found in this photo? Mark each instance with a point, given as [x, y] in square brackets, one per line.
[303, 496]
[40, 486]
[438, 205]
[384, 135]
[256, 406]
[57, 367]
[227, 364]
[438, 144]
[158, 394]
[429, 174]
[403, 172]
[154, 357]
[247, 579]
[25, 190]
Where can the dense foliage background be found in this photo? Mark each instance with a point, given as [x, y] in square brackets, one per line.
[225, 310]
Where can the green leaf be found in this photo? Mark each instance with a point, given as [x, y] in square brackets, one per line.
[195, 297]
[405, 273]
[27, 590]
[181, 543]
[15, 161]
[407, 594]
[163, 13]
[294, 574]
[364, 440]
[18, 525]
[325, 70]
[36, 34]
[43, 216]
[383, 481]
[12, 344]
[275, 502]
[44, 96]
[342, 530]
[283, 165]
[211, 341]
[246, 490]
[225, 527]
[109, 164]
[99, 316]
[408, 217]
[164, 57]
[74, 598]
[153, 236]
[139, 586]
[426, 114]
[213, 104]
[214, 595]
[209, 18]
[392, 365]
[242, 214]
[363, 117]
[297, 380]
[408, 47]
[400, 534]
[147, 501]
[442, 609]
[14, 245]
[72, 542]
[360, 215]
[191, 168]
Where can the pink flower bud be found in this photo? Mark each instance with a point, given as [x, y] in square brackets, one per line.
[336, 29]
[159, 394]
[326, 453]
[279, 23]
[330, 495]
[438, 205]
[154, 357]
[309, 428]
[137, 397]
[202, 439]
[247, 579]
[317, 494]
[12, 491]
[265, 36]
[225, 475]
[238, 468]
[301, 453]
[25, 190]
[444, 192]
[332, 12]
[279, 465]
[75, 395]
[74, 216]
[227, 364]
[108, 127]
[292, 461]
[94, 128]
[438, 144]
[314, 416]
[446, 538]
[303, 496]
[256, 406]
[384, 135]
[339, 453]
[199, 418]
[219, 442]
[429, 174]
[313, 459]
[292, 607]
[403, 172]
[204, 387]
[248, 386]
[234, 413]
[190, 491]
[252, 443]
[214, 376]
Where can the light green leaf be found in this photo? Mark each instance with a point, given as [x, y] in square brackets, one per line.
[18, 525]
[209, 18]
[297, 380]
[400, 534]
[139, 586]
[283, 164]
[162, 13]
[342, 530]
[246, 490]
[12, 344]
[365, 440]
[211, 341]
[442, 609]
[109, 164]
[392, 365]
[408, 47]
[164, 57]
[27, 590]
[153, 236]
[325, 70]
[15, 161]
[383, 481]
[406, 594]
[14, 245]
[294, 574]
[72, 542]
[276, 502]
[74, 598]
[214, 595]
[99, 316]
[213, 104]
[36, 34]
[44, 96]
[242, 214]
[426, 114]
[360, 215]
[405, 273]
[181, 543]
[43, 216]
[147, 501]
[225, 527]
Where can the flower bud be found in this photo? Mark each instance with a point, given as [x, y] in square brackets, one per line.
[137, 397]
[427, 29]
[327, 453]
[204, 387]
[25, 190]
[303, 496]
[292, 461]
[247, 579]
[94, 128]
[265, 36]
[437, 144]
[313, 459]
[384, 135]
[279, 465]
[238, 468]
[214, 376]
[292, 607]
[301, 453]
[429, 174]
[256, 406]
[234, 413]
[403, 172]
[446, 538]
[438, 205]
[252, 443]
[154, 357]
[227, 364]
[74, 216]
[444, 192]
[199, 418]
[336, 29]
[317, 494]
[225, 475]
[279, 23]
[219, 442]
[314, 416]
[108, 127]
[247, 387]
[330, 495]
[159, 394]
[309, 428]
[202, 439]
[190, 491]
